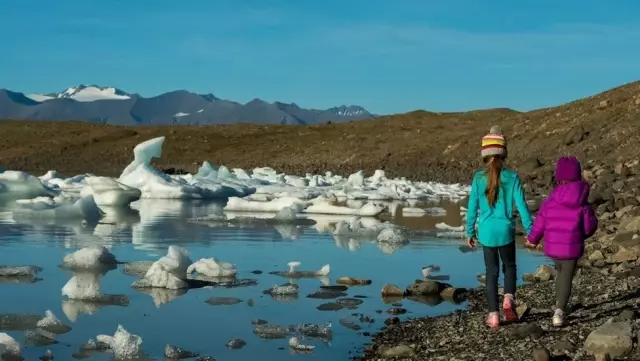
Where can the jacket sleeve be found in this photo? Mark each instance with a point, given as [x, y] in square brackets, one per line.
[589, 221]
[521, 205]
[472, 209]
[539, 225]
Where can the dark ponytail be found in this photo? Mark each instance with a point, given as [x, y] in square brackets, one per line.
[494, 166]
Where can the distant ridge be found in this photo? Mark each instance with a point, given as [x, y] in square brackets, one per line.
[110, 105]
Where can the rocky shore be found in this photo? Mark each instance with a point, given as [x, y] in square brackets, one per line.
[602, 324]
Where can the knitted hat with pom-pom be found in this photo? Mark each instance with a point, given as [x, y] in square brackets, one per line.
[494, 143]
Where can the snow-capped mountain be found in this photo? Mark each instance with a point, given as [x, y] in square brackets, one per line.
[111, 105]
[83, 93]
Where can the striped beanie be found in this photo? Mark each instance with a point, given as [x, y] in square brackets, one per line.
[494, 143]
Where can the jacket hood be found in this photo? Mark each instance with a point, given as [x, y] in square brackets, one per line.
[568, 169]
[573, 194]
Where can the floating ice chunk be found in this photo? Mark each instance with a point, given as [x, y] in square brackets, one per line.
[84, 208]
[377, 176]
[293, 273]
[211, 267]
[83, 286]
[287, 214]
[276, 205]
[169, 271]
[432, 211]
[206, 170]
[393, 236]
[356, 179]
[51, 174]
[368, 210]
[144, 152]
[154, 183]
[90, 258]
[160, 276]
[21, 184]
[19, 271]
[446, 227]
[124, 345]
[268, 331]
[285, 289]
[52, 324]
[296, 181]
[9, 347]
[295, 344]
[109, 192]
[451, 234]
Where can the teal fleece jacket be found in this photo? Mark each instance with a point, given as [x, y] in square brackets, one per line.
[496, 226]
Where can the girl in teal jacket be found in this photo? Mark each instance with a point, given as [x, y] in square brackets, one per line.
[494, 191]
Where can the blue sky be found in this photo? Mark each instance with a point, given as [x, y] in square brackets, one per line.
[388, 56]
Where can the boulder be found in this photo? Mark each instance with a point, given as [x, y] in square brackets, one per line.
[543, 273]
[574, 136]
[541, 354]
[596, 256]
[352, 281]
[453, 294]
[613, 338]
[624, 255]
[400, 351]
[389, 290]
[426, 288]
[631, 224]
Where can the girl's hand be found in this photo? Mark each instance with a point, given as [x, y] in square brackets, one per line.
[471, 242]
[528, 244]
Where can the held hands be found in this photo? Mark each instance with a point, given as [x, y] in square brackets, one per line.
[528, 243]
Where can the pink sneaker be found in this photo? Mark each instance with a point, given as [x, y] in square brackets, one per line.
[493, 320]
[509, 307]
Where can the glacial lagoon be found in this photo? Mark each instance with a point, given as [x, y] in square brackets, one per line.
[185, 320]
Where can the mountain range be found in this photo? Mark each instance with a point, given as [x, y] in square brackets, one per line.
[108, 105]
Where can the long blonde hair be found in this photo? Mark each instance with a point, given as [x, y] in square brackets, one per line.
[494, 167]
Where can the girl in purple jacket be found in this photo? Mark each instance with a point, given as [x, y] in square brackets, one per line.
[565, 220]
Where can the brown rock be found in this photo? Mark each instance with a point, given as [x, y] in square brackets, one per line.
[596, 256]
[624, 255]
[603, 357]
[400, 351]
[428, 287]
[522, 310]
[613, 338]
[541, 354]
[453, 294]
[545, 273]
[389, 290]
[352, 281]
[620, 169]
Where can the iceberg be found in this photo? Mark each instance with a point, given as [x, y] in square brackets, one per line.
[45, 208]
[20, 184]
[169, 271]
[155, 184]
[109, 192]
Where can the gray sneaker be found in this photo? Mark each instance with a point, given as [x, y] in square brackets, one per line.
[558, 318]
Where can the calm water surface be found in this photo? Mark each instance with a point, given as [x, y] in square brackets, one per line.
[187, 321]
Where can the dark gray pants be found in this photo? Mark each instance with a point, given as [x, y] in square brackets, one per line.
[492, 257]
[564, 279]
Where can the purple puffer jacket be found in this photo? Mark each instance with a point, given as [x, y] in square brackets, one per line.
[565, 218]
